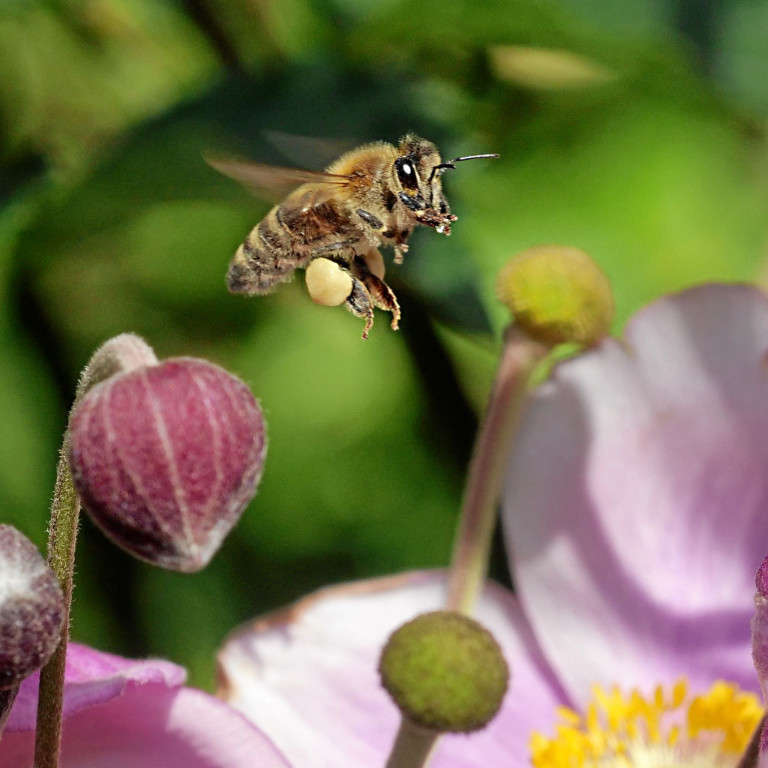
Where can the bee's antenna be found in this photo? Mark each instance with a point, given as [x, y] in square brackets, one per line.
[450, 163]
[472, 157]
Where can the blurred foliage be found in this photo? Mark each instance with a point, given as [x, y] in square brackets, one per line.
[634, 131]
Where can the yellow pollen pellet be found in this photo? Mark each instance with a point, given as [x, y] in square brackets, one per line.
[327, 283]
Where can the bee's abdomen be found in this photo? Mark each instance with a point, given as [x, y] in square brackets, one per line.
[252, 270]
[264, 260]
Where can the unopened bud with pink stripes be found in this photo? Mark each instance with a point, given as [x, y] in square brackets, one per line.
[166, 456]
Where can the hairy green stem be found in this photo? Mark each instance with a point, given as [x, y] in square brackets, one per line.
[62, 535]
[471, 552]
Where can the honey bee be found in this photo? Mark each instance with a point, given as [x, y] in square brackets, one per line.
[332, 223]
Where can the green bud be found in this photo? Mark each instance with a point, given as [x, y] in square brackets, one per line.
[557, 294]
[445, 672]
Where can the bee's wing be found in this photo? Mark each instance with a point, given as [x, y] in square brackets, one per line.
[274, 183]
[308, 151]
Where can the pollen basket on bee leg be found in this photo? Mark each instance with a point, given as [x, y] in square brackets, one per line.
[327, 283]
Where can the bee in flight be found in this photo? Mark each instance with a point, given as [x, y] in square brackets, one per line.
[331, 224]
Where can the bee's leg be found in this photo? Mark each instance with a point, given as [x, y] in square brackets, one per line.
[400, 250]
[359, 303]
[379, 292]
[334, 247]
[372, 221]
[374, 261]
[330, 282]
[379, 228]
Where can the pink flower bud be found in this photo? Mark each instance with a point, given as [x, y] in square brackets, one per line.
[166, 457]
[31, 608]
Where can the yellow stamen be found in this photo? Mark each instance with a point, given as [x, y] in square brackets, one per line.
[669, 729]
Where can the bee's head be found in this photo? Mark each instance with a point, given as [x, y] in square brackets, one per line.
[419, 188]
[417, 171]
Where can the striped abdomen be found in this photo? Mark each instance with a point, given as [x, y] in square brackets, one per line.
[266, 258]
[288, 238]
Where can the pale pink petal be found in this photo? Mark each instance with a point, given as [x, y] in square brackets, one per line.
[308, 676]
[154, 726]
[92, 677]
[636, 501]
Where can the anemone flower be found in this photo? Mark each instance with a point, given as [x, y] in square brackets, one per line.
[636, 514]
[120, 713]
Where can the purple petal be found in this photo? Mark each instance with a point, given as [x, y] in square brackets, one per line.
[308, 676]
[154, 726]
[92, 677]
[121, 713]
[636, 501]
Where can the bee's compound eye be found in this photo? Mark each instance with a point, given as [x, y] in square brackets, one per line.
[327, 283]
[406, 173]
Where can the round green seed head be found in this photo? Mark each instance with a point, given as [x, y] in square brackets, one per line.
[445, 672]
[557, 294]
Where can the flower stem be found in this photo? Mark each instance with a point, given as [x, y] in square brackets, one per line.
[520, 355]
[751, 755]
[412, 746]
[62, 535]
[121, 353]
[469, 565]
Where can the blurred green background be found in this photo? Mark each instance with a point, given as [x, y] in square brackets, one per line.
[634, 129]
